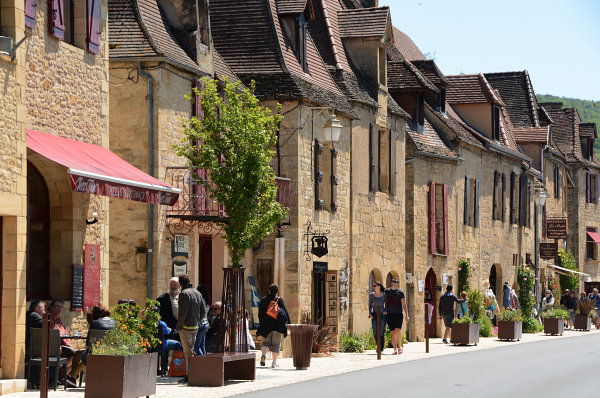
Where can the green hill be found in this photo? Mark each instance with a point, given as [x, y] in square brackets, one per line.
[588, 110]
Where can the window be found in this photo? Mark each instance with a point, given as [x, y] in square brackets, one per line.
[382, 66]
[382, 160]
[319, 176]
[495, 122]
[514, 189]
[557, 182]
[301, 23]
[587, 148]
[438, 218]
[471, 208]
[498, 196]
[384, 157]
[590, 245]
[524, 200]
[30, 14]
[592, 186]
[442, 100]
[420, 112]
[76, 22]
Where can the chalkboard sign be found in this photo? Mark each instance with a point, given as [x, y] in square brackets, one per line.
[77, 295]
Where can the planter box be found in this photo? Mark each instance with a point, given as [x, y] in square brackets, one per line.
[554, 326]
[128, 376]
[583, 322]
[465, 333]
[508, 330]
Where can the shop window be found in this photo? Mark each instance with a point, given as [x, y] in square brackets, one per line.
[438, 218]
[590, 245]
[498, 196]
[471, 200]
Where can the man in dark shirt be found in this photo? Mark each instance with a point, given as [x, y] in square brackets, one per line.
[571, 304]
[447, 310]
[37, 309]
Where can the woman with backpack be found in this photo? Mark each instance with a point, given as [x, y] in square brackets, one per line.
[273, 317]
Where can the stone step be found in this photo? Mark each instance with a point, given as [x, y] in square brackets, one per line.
[10, 386]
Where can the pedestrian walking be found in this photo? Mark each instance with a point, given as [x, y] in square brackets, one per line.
[447, 311]
[273, 317]
[571, 304]
[396, 307]
[463, 309]
[564, 297]
[377, 301]
[190, 312]
[595, 298]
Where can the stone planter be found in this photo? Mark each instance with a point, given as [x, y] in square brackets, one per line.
[583, 322]
[302, 342]
[465, 333]
[508, 330]
[554, 326]
[128, 376]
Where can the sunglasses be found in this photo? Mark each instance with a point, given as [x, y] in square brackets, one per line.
[395, 281]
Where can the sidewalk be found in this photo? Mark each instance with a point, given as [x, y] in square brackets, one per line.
[320, 367]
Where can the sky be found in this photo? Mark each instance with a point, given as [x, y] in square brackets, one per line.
[557, 42]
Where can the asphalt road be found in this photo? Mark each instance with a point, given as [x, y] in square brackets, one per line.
[553, 368]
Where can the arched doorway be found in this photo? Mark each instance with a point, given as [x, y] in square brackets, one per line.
[389, 277]
[374, 276]
[493, 280]
[38, 234]
[431, 298]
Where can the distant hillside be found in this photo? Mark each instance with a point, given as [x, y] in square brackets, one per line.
[588, 110]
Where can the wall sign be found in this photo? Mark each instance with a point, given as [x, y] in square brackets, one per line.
[421, 286]
[91, 276]
[556, 228]
[180, 246]
[320, 266]
[179, 268]
[548, 250]
[77, 291]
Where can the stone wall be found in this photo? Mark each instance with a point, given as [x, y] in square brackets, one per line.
[588, 216]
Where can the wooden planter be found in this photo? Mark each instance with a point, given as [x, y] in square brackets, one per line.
[583, 322]
[554, 326]
[465, 333]
[302, 342]
[128, 376]
[508, 330]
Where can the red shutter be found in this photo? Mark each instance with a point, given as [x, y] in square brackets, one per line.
[30, 14]
[432, 234]
[199, 194]
[596, 186]
[319, 203]
[93, 26]
[446, 237]
[57, 22]
[334, 180]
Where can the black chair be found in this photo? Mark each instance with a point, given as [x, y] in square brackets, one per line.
[54, 359]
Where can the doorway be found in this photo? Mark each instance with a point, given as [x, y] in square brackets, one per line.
[319, 300]
[38, 235]
[431, 298]
[493, 279]
[205, 262]
[264, 276]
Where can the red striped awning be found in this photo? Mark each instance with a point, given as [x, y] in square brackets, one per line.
[595, 237]
[95, 169]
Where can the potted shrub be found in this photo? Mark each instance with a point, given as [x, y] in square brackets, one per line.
[120, 365]
[554, 320]
[464, 331]
[510, 324]
[586, 310]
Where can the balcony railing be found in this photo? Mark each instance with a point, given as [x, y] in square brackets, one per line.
[195, 203]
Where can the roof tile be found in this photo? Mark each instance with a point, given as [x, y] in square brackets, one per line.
[364, 22]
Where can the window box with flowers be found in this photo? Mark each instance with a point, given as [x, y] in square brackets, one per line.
[121, 364]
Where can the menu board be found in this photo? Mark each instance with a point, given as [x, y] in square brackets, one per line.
[77, 291]
[332, 301]
[91, 276]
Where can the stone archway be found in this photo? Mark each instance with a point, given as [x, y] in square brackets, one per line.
[374, 276]
[431, 297]
[388, 279]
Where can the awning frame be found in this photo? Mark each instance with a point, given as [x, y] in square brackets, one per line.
[123, 181]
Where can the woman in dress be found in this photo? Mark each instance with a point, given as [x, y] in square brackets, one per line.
[377, 300]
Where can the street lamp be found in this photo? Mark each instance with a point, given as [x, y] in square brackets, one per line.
[332, 129]
[539, 200]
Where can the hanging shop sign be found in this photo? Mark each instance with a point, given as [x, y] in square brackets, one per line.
[556, 228]
[548, 250]
[320, 266]
[179, 268]
[316, 242]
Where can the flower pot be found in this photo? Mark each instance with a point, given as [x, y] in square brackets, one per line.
[583, 322]
[127, 376]
[302, 342]
[554, 326]
[508, 330]
[465, 333]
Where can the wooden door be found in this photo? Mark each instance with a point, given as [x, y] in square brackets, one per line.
[38, 235]
[431, 298]
[264, 276]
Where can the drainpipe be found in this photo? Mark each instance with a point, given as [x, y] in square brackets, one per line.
[150, 253]
[575, 213]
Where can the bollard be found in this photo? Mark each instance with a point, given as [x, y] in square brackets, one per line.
[378, 333]
[45, 354]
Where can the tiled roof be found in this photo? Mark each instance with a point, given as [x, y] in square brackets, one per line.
[393, 54]
[364, 22]
[464, 132]
[526, 135]
[222, 70]
[471, 89]
[137, 29]
[353, 88]
[517, 94]
[394, 108]
[406, 46]
[430, 70]
[588, 130]
[291, 6]
[324, 31]
[403, 75]
[430, 140]
[565, 130]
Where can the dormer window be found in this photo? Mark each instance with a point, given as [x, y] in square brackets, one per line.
[495, 123]
[442, 100]
[587, 146]
[301, 35]
[382, 66]
[420, 112]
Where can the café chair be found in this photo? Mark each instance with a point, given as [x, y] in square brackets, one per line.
[54, 359]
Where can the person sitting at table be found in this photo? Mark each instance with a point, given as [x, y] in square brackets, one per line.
[34, 319]
[214, 321]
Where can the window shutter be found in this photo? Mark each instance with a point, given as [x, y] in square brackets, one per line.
[93, 26]
[503, 196]
[30, 14]
[199, 192]
[587, 188]
[596, 188]
[495, 197]
[319, 203]
[523, 200]
[392, 163]
[445, 206]
[373, 158]
[197, 110]
[57, 22]
[476, 212]
[432, 234]
[334, 180]
[467, 215]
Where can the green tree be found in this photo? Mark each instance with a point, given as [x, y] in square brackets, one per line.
[568, 261]
[236, 137]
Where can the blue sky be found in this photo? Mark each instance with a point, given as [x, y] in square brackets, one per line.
[558, 42]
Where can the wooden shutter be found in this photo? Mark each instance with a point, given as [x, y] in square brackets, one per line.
[197, 110]
[319, 203]
[199, 192]
[588, 190]
[513, 202]
[503, 197]
[432, 233]
[476, 210]
[334, 180]
[467, 215]
[373, 158]
[56, 18]
[495, 197]
[93, 26]
[392, 162]
[596, 188]
[523, 200]
[30, 14]
[445, 206]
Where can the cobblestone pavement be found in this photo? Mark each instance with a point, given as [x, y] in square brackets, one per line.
[266, 377]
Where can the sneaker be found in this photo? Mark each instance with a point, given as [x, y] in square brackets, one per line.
[184, 380]
[71, 381]
[263, 358]
[445, 341]
[274, 365]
